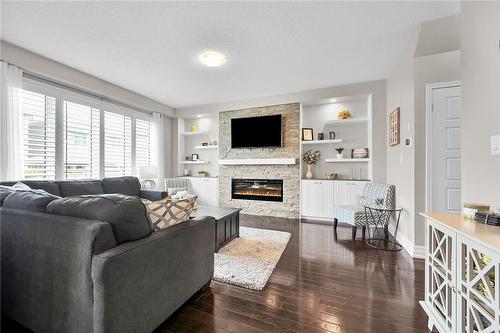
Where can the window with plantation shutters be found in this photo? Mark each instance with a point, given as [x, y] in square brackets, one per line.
[81, 141]
[117, 145]
[69, 134]
[143, 140]
[39, 137]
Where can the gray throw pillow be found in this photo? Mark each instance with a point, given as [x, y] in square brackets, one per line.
[126, 214]
[32, 200]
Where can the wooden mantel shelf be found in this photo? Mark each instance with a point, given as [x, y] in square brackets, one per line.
[485, 234]
[259, 161]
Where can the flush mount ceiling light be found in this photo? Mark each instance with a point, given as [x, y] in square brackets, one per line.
[212, 59]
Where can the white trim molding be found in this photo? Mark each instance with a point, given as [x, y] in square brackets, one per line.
[428, 139]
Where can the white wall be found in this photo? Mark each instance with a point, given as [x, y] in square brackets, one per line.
[376, 88]
[480, 66]
[52, 70]
[400, 167]
[422, 62]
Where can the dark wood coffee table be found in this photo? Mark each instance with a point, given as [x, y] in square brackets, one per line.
[227, 223]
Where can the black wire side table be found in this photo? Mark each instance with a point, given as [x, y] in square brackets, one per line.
[377, 226]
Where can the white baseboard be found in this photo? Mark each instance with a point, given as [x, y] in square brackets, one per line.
[415, 251]
[316, 218]
[418, 252]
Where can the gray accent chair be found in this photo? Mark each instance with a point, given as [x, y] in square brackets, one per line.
[175, 184]
[373, 195]
[71, 274]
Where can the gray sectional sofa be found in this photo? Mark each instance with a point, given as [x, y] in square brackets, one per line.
[65, 270]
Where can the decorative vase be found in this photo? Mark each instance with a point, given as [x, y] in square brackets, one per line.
[340, 156]
[309, 173]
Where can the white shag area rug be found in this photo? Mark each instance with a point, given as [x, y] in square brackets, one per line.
[249, 260]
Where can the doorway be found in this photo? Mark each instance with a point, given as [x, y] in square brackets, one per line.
[444, 163]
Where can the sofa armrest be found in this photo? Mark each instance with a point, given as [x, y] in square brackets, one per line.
[46, 261]
[153, 195]
[139, 284]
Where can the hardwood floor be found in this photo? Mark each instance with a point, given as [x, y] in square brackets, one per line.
[323, 283]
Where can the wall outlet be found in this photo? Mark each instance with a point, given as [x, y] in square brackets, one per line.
[495, 144]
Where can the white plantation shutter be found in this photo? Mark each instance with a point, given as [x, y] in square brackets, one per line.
[39, 135]
[117, 145]
[71, 135]
[81, 141]
[143, 141]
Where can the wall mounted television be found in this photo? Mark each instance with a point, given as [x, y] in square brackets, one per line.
[256, 132]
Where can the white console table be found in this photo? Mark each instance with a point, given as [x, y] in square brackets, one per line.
[462, 274]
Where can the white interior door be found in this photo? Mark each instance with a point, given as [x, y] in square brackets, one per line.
[445, 150]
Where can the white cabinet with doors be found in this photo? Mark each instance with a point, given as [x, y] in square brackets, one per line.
[462, 266]
[347, 192]
[206, 188]
[319, 197]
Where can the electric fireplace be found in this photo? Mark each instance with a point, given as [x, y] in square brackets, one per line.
[257, 189]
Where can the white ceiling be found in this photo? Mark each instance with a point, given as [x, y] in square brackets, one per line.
[272, 47]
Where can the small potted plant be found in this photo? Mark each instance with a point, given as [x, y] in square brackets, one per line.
[310, 158]
[339, 153]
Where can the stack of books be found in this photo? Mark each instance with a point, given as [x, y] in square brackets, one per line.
[488, 218]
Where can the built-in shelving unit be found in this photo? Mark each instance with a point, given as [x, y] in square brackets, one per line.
[194, 133]
[203, 142]
[352, 133]
[350, 121]
[321, 142]
[347, 160]
[206, 147]
[194, 162]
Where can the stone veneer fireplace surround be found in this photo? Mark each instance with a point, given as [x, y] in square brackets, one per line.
[289, 172]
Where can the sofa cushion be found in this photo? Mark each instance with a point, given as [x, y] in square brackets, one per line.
[32, 200]
[127, 214]
[49, 186]
[3, 195]
[69, 188]
[122, 185]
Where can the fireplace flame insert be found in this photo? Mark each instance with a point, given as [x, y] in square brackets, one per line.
[257, 189]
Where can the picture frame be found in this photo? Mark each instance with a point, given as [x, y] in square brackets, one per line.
[321, 136]
[194, 157]
[307, 134]
[204, 144]
[332, 135]
[394, 127]
[359, 153]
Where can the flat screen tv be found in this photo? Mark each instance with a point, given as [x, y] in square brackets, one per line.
[256, 132]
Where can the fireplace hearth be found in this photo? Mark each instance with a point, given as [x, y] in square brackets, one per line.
[257, 189]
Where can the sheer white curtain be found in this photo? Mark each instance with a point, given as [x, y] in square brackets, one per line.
[159, 147]
[11, 82]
